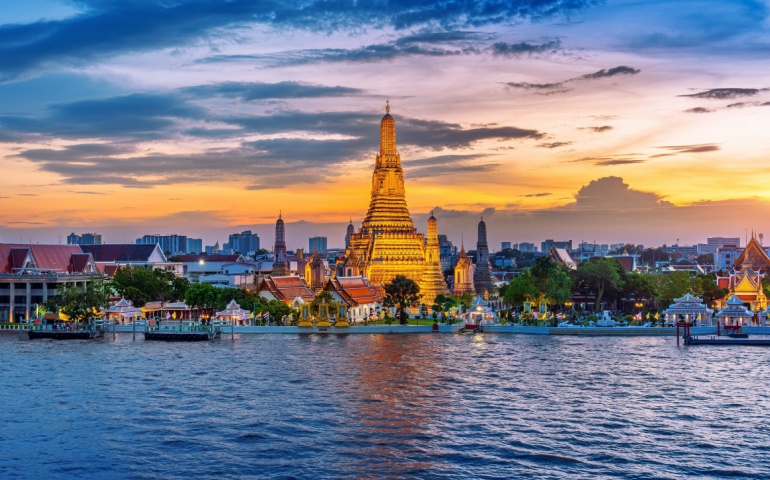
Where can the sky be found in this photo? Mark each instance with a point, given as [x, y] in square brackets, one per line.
[598, 121]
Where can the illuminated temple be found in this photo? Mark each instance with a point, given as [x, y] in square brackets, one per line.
[387, 243]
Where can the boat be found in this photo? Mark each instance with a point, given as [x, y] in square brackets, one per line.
[64, 334]
[61, 331]
[733, 336]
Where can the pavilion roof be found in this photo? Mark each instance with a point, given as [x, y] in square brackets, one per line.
[353, 290]
[287, 288]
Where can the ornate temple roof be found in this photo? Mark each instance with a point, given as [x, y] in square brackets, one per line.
[753, 255]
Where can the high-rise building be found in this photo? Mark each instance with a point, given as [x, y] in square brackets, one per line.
[243, 242]
[525, 247]
[194, 245]
[84, 239]
[546, 246]
[173, 244]
[317, 244]
[505, 245]
[387, 243]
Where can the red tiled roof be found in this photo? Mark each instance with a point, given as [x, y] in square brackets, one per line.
[17, 256]
[120, 252]
[50, 257]
[354, 290]
[287, 289]
[79, 262]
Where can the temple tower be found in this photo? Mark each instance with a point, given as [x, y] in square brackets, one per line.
[387, 244]
[432, 282]
[280, 261]
[315, 272]
[483, 281]
[351, 231]
[464, 274]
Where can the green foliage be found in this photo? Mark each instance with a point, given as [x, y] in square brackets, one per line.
[203, 296]
[326, 298]
[546, 282]
[77, 302]
[402, 291]
[142, 285]
[705, 286]
[600, 276]
[669, 286]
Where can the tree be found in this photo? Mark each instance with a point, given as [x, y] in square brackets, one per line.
[706, 259]
[202, 295]
[402, 291]
[670, 286]
[705, 286]
[141, 285]
[79, 303]
[599, 275]
[521, 289]
[639, 286]
[326, 298]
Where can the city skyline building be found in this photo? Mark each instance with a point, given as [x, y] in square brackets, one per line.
[318, 244]
[84, 239]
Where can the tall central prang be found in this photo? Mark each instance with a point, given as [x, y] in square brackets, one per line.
[388, 243]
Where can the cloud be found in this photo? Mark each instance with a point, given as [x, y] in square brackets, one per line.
[250, 91]
[449, 165]
[613, 193]
[521, 49]
[599, 129]
[726, 93]
[534, 86]
[701, 148]
[554, 144]
[611, 72]
[139, 115]
[559, 87]
[542, 194]
[110, 28]
[617, 161]
[698, 110]
[293, 156]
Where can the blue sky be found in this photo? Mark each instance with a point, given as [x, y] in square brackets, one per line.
[201, 117]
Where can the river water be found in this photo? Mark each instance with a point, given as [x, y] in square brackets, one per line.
[383, 406]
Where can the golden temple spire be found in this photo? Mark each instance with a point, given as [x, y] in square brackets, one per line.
[387, 106]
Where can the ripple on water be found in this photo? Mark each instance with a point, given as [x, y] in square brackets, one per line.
[384, 406]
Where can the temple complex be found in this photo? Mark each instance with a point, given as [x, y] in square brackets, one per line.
[464, 274]
[745, 279]
[483, 280]
[387, 244]
[280, 261]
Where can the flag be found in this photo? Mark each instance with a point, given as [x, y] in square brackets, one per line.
[173, 315]
[168, 315]
[266, 315]
[638, 316]
[251, 315]
[657, 316]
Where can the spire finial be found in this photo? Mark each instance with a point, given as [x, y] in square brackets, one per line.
[280, 212]
[387, 106]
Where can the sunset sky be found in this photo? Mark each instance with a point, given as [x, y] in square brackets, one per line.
[615, 121]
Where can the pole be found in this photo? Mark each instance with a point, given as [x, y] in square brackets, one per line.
[677, 333]
[133, 328]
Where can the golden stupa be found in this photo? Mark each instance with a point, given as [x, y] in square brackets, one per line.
[388, 243]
